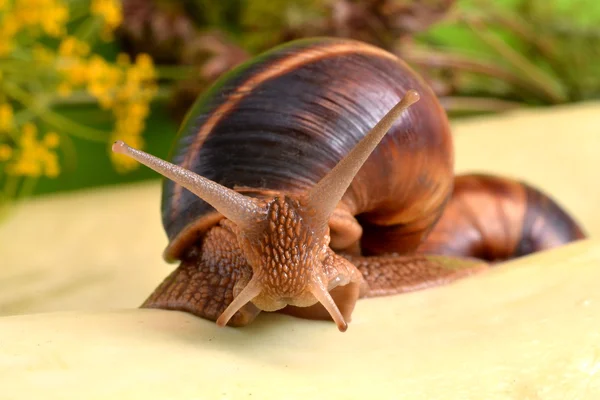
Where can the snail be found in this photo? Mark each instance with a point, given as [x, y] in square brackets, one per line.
[321, 172]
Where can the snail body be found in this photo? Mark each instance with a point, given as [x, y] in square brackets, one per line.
[307, 178]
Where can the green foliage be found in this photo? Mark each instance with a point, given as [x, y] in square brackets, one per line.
[554, 46]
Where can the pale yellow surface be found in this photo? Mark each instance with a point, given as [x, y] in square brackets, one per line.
[527, 330]
[87, 251]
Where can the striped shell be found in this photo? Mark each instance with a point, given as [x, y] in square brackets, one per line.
[281, 121]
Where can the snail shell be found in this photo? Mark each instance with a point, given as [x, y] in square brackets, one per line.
[283, 120]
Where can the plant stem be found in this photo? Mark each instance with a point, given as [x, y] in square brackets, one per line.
[70, 153]
[77, 9]
[24, 116]
[82, 97]
[451, 59]
[27, 187]
[175, 72]
[88, 29]
[526, 31]
[8, 195]
[543, 81]
[454, 104]
[518, 26]
[57, 120]
[11, 186]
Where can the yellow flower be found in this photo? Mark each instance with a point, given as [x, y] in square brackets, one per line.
[138, 110]
[140, 80]
[8, 28]
[104, 80]
[51, 140]
[132, 104]
[72, 64]
[49, 15]
[6, 117]
[35, 158]
[55, 19]
[144, 63]
[5, 152]
[111, 12]
[71, 47]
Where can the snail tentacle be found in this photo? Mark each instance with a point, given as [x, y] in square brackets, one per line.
[243, 211]
[249, 292]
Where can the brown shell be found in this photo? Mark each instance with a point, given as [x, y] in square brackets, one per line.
[283, 120]
[498, 218]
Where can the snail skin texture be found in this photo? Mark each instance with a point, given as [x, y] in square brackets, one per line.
[322, 172]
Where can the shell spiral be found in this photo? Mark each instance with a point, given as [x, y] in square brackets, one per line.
[281, 121]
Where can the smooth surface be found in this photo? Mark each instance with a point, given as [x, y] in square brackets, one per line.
[89, 251]
[529, 330]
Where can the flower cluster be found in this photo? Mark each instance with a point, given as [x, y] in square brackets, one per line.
[124, 87]
[111, 12]
[31, 17]
[130, 102]
[36, 74]
[35, 158]
[32, 157]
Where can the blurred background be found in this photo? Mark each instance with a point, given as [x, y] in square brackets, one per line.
[75, 75]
